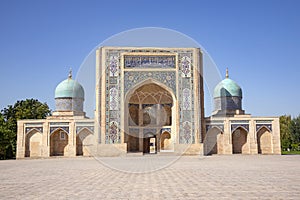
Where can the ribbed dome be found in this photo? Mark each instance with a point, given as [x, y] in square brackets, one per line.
[69, 88]
[227, 88]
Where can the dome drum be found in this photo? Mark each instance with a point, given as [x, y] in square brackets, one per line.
[228, 105]
[69, 104]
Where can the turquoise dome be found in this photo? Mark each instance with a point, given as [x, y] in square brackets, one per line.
[69, 88]
[227, 88]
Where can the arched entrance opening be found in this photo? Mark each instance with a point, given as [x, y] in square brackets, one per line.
[83, 140]
[264, 141]
[213, 142]
[149, 109]
[149, 143]
[58, 142]
[165, 141]
[33, 144]
[239, 141]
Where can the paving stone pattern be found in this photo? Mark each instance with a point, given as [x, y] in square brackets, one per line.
[152, 177]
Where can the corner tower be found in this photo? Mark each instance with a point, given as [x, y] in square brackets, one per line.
[228, 98]
[69, 97]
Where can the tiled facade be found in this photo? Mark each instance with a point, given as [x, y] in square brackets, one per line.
[148, 100]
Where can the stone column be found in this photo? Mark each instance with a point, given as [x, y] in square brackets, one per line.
[20, 140]
[141, 132]
[253, 137]
[45, 142]
[276, 136]
[72, 140]
[227, 137]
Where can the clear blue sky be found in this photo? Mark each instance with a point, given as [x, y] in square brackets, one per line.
[258, 40]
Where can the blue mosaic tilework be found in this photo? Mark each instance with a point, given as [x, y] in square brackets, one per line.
[134, 77]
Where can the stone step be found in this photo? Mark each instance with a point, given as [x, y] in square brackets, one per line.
[166, 153]
[133, 154]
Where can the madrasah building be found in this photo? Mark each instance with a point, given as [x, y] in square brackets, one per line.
[148, 100]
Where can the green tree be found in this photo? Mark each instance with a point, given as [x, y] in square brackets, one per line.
[285, 132]
[295, 132]
[24, 109]
[6, 140]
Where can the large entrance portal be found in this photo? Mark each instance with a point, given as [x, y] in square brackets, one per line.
[149, 115]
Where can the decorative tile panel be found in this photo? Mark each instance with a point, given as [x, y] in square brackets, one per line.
[151, 61]
[38, 129]
[185, 64]
[183, 77]
[186, 137]
[239, 121]
[113, 99]
[80, 128]
[186, 99]
[236, 126]
[165, 130]
[267, 126]
[64, 128]
[113, 133]
[33, 124]
[131, 78]
[263, 121]
[59, 123]
[113, 66]
[219, 126]
[112, 94]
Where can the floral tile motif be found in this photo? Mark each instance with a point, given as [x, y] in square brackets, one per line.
[186, 99]
[133, 78]
[113, 99]
[185, 66]
[113, 136]
[186, 137]
[113, 66]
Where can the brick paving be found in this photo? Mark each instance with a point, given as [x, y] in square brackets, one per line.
[152, 177]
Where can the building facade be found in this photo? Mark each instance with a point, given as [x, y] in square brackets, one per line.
[148, 100]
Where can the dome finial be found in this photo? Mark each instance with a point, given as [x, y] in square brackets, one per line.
[70, 73]
[227, 75]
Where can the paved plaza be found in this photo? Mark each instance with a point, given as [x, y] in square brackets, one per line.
[152, 177]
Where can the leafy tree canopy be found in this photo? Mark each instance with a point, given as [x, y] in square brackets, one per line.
[295, 130]
[24, 109]
[290, 133]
